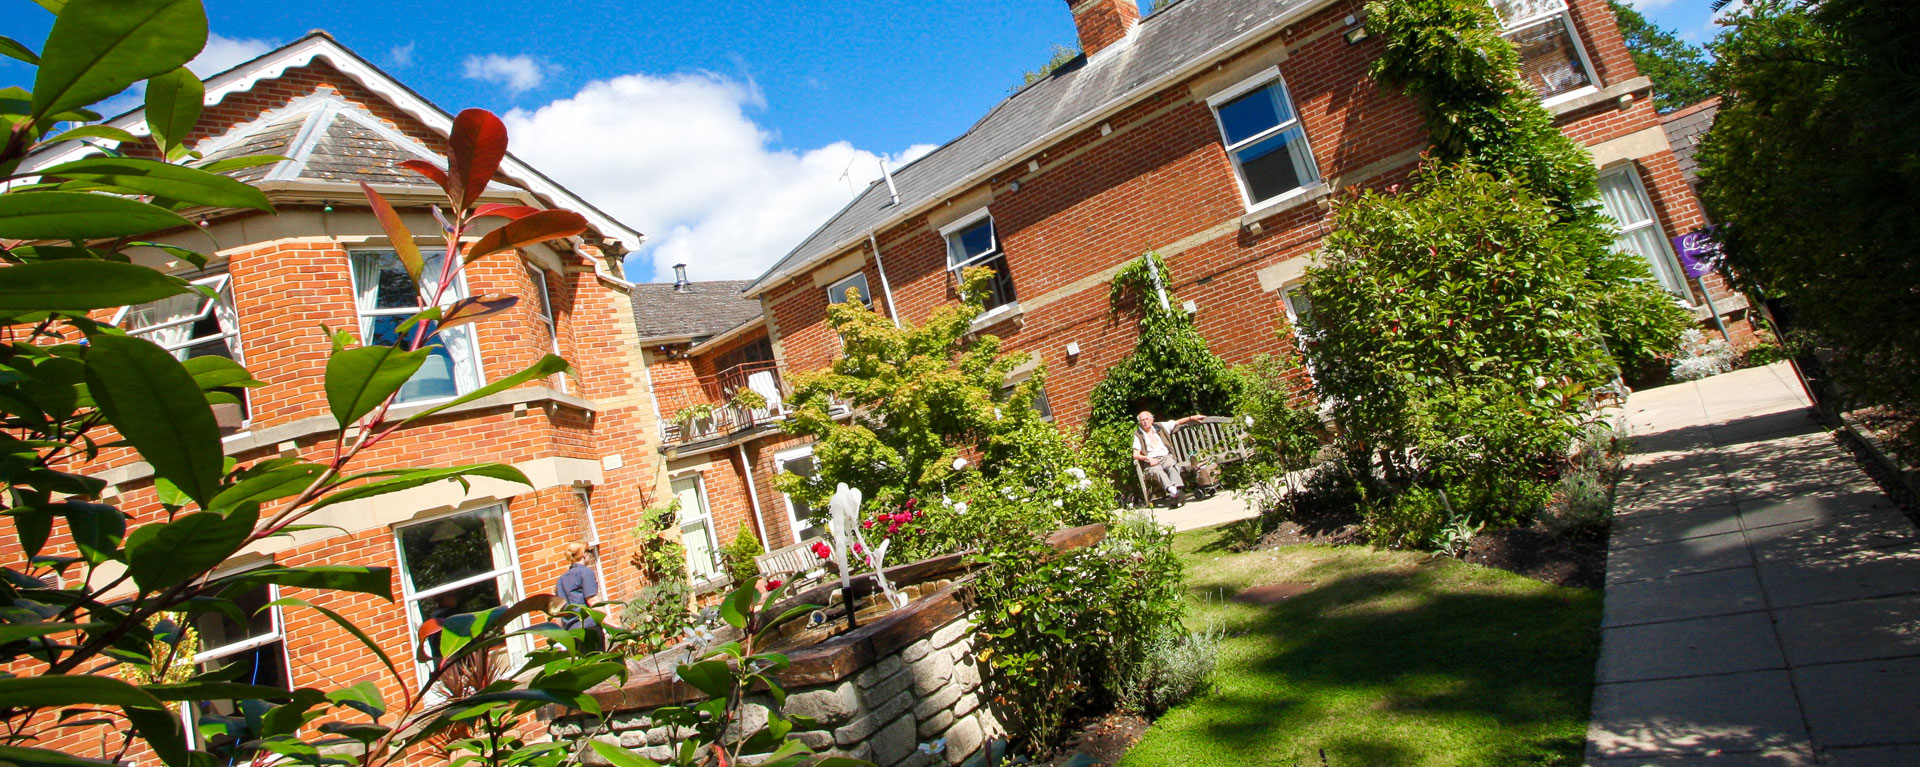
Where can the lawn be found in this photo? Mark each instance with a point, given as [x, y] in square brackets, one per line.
[1389, 659]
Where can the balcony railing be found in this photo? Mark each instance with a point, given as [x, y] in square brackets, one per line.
[718, 392]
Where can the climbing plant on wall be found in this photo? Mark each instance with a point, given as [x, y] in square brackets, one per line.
[1171, 372]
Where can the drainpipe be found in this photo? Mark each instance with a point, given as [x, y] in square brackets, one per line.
[884, 288]
[746, 469]
[1158, 289]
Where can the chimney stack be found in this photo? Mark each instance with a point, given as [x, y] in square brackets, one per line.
[680, 283]
[1103, 22]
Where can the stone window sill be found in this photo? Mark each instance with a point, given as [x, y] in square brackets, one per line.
[1294, 199]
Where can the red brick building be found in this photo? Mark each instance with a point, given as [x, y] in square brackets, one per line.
[1214, 132]
[585, 439]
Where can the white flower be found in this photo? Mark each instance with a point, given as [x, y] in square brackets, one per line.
[960, 507]
[934, 748]
[1076, 473]
[959, 463]
[1539, 382]
[1057, 503]
[1249, 420]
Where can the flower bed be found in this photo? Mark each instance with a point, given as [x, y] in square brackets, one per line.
[903, 678]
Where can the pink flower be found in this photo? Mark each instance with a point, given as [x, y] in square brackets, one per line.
[771, 584]
[820, 548]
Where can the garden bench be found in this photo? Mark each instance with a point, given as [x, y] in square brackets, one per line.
[1212, 438]
[791, 560]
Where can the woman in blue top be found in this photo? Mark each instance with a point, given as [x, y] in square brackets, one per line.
[578, 586]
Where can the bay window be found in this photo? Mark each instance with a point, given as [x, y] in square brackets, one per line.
[196, 325]
[1637, 230]
[1552, 61]
[973, 242]
[1264, 138]
[386, 297]
[456, 564]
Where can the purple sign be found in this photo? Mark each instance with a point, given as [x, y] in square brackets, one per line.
[1699, 254]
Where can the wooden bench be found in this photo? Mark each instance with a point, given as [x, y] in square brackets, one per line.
[1213, 438]
[790, 561]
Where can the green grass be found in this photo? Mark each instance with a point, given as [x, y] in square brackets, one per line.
[1392, 659]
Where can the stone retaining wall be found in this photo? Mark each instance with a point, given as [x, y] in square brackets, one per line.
[875, 693]
[923, 692]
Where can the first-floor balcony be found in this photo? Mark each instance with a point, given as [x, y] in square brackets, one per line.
[711, 410]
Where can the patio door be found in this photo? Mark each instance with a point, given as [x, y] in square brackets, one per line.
[696, 528]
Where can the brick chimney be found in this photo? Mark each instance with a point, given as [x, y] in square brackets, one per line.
[1103, 22]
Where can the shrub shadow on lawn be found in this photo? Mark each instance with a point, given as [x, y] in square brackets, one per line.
[1411, 662]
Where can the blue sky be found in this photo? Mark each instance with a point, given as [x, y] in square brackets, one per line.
[724, 130]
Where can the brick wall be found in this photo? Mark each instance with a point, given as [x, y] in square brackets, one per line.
[1159, 178]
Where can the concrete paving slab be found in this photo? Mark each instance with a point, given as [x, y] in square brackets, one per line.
[1874, 756]
[1765, 511]
[1698, 522]
[1744, 759]
[1673, 497]
[1862, 629]
[1722, 592]
[1665, 560]
[1750, 712]
[1868, 703]
[1862, 574]
[1822, 538]
[1718, 645]
[1221, 509]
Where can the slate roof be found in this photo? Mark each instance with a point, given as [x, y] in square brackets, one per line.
[1684, 127]
[324, 138]
[1163, 42]
[708, 308]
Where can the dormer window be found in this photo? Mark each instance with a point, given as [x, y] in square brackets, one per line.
[1552, 61]
[1264, 138]
[972, 241]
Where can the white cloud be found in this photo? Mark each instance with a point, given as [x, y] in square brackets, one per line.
[678, 158]
[518, 73]
[224, 53]
[401, 55]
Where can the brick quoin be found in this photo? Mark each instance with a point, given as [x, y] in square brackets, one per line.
[1158, 177]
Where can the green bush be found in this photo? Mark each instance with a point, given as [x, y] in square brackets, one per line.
[1061, 630]
[738, 555]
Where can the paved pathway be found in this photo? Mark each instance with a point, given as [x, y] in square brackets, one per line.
[1763, 596]
[1218, 510]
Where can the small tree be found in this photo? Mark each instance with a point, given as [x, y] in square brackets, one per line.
[739, 554]
[937, 442]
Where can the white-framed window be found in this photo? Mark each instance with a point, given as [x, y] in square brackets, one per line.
[857, 282]
[800, 462]
[539, 277]
[972, 241]
[1264, 138]
[1637, 230]
[385, 298]
[454, 564]
[1294, 299]
[1040, 403]
[258, 648]
[195, 325]
[696, 527]
[1552, 61]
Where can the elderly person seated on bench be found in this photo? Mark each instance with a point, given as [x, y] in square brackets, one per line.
[1150, 448]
